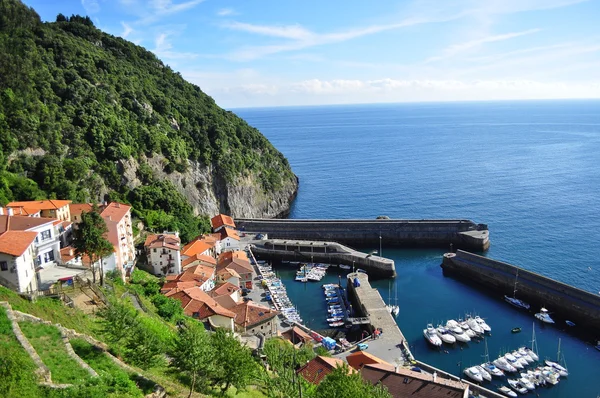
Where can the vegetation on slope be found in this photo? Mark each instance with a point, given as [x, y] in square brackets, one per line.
[75, 101]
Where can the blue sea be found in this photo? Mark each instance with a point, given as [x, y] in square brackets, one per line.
[528, 169]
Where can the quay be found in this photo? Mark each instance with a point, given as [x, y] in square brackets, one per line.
[562, 300]
[322, 252]
[391, 346]
[461, 234]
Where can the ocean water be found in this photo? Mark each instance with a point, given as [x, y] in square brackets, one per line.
[528, 169]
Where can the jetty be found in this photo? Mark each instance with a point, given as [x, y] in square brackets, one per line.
[565, 301]
[322, 252]
[461, 234]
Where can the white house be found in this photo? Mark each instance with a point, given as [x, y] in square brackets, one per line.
[230, 240]
[17, 265]
[163, 253]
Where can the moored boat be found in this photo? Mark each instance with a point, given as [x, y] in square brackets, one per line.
[515, 385]
[444, 334]
[431, 336]
[484, 373]
[544, 316]
[474, 374]
[504, 365]
[507, 391]
[483, 324]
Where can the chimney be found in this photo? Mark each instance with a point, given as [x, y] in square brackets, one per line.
[117, 205]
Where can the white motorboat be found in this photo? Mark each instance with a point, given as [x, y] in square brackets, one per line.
[534, 376]
[344, 266]
[453, 326]
[334, 319]
[523, 352]
[544, 316]
[484, 373]
[446, 336]
[470, 333]
[513, 361]
[507, 391]
[503, 364]
[492, 369]
[474, 374]
[515, 385]
[431, 336]
[486, 328]
[532, 354]
[474, 326]
[520, 358]
[395, 310]
[525, 382]
[562, 371]
[550, 375]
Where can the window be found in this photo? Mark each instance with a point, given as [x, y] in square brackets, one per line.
[3, 266]
[154, 250]
[38, 260]
[46, 235]
[49, 256]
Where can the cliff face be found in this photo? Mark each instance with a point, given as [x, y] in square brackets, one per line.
[210, 194]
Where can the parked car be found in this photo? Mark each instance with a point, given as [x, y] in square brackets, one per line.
[362, 346]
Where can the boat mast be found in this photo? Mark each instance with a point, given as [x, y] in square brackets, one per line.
[533, 341]
[515, 288]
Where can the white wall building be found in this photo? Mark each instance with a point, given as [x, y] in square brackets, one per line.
[163, 253]
[17, 265]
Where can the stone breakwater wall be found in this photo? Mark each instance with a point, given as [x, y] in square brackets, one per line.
[562, 300]
[462, 234]
[323, 252]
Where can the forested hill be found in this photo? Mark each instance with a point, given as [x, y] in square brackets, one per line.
[85, 115]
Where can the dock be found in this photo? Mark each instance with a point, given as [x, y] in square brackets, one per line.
[461, 234]
[562, 300]
[322, 252]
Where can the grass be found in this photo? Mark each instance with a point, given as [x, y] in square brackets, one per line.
[53, 310]
[102, 364]
[48, 343]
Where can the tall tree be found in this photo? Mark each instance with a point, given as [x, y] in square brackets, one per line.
[236, 365]
[193, 354]
[89, 240]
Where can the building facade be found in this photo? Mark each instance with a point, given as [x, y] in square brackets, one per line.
[163, 253]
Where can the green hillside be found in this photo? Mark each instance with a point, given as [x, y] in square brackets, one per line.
[75, 102]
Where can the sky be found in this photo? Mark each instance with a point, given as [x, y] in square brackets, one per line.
[288, 52]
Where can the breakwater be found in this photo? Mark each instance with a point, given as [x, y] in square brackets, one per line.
[323, 252]
[461, 234]
[562, 300]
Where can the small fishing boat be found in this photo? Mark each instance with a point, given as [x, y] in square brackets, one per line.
[343, 266]
[361, 270]
[544, 316]
[507, 391]
[516, 330]
[336, 324]
[569, 323]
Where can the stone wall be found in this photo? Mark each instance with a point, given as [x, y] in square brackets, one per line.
[564, 301]
[463, 234]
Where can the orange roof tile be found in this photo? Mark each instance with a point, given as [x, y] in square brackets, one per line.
[238, 265]
[221, 219]
[16, 243]
[41, 204]
[249, 314]
[317, 368]
[162, 240]
[199, 259]
[194, 300]
[115, 211]
[227, 273]
[224, 289]
[197, 246]
[359, 359]
[22, 223]
[226, 301]
[196, 275]
[77, 208]
[229, 233]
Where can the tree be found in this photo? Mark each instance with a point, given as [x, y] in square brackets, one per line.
[89, 240]
[118, 321]
[193, 353]
[341, 384]
[236, 365]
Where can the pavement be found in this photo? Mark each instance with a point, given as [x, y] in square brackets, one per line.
[49, 276]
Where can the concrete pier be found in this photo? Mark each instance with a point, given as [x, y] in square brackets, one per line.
[562, 300]
[462, 234]
[323, 252]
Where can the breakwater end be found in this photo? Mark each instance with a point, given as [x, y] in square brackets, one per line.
[461, 234]
[323, 252]
[562, 300]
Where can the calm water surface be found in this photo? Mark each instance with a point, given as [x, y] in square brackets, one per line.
[527, 169]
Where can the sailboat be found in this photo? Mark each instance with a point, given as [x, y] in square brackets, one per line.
[389, 307]
[488, 366]
[395, 307]
[514, 300]
[562, 370]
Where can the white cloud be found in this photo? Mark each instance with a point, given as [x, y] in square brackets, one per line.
[90, 6]
[465, 46]
[127, 30]
[163, 48]
[295, 32]
[225, 12]
[155, 10]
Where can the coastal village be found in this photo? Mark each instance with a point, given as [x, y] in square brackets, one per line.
[215, 277]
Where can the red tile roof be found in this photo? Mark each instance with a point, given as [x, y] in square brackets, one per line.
[162, 240]
[406, 383]
[22, 223]
[51, 204]
[227, 273]
[224, 289]
[199, 259]
[195, 276]
[359, 359]
[238, 265]
[77, 208]
[220, 220]
[229, 233]
[197, 246]
[249, 314]
[115, 211]
[195, 301]
[15, 243]
[317, 368]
